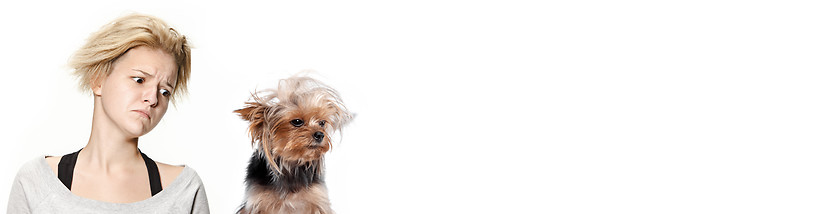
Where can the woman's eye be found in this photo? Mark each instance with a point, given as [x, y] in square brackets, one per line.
[138, 79]
[165, 92]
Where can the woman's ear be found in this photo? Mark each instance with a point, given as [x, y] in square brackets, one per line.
[96, 86]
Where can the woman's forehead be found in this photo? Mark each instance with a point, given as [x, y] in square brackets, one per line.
[149, 61]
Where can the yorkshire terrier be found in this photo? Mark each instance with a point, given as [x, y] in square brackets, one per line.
[291, 129]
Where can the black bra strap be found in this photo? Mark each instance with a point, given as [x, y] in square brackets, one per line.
[65, 168]
[68, 163]
[154, 174]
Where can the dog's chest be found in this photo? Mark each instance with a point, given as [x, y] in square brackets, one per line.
[309, 200]
[291, 179]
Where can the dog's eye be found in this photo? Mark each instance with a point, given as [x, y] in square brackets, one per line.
[297, 122]
[322, 123]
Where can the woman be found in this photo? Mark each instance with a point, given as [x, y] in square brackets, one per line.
[133, 66]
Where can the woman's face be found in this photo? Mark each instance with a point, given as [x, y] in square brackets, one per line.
[136, 94]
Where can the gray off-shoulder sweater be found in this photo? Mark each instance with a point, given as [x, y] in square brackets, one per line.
[37, 190]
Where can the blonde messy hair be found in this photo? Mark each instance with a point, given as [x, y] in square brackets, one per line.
[93, 62]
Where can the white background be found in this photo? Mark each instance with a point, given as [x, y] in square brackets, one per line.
[481, 106]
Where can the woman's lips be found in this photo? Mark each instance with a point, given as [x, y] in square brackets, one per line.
[144, 113]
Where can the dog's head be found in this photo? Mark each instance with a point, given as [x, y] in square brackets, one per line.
[294, 123]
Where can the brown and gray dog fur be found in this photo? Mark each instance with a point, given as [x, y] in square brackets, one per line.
[291, 128]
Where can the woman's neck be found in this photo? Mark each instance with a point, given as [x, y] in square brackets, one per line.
[109, 149]
[110, 155]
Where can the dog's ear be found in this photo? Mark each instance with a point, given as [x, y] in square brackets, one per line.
[254, 113]
[340, 116]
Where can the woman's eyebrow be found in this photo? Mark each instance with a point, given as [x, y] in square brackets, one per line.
[147, 74]
[141, 71]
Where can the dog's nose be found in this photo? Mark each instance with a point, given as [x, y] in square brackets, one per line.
[319, 136]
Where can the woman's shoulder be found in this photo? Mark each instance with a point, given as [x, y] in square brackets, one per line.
[52, 161]
[35, 173]
[187, 185]
[168, 173]
[33, 168]
[181, 181]
[31, 185]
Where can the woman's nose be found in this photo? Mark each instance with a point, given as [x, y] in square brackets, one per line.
[150, 96]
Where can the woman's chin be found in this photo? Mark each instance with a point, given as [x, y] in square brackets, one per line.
[136, 130]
